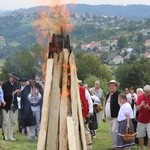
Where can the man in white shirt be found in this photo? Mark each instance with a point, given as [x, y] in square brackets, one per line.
[111, 111]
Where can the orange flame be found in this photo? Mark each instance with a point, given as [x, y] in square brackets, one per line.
[43, 69]
[54, 17]
[50, 20]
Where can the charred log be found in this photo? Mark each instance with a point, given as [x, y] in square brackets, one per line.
[57, 44]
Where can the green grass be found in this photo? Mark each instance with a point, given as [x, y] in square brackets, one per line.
[101, 142]
[23, 143]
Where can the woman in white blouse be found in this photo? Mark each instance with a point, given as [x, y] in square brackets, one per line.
[125, 117]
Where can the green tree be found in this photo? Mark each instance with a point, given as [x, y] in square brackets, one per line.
[121, 74]
[104, 56]
[23, 63]
[88, 64]
[136, 74]
[140, 38]
[132, 59]
[122, 42]
[131, 26]
[90, 79]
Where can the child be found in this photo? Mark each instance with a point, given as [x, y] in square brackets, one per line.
[35, 99]
[125, 117]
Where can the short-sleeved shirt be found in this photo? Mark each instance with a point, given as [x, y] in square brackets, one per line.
[99, 93]
[144, 114]
[125, 109]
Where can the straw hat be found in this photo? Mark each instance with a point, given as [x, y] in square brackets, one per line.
[113, 82]
[13, 75]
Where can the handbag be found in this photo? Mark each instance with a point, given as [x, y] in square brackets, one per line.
[98, 108]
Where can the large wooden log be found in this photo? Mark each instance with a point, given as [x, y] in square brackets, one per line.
[64, 105]
[71, 134]
[53, 134]
[53, 122]
[78, 109]
[74, 104]
[45, 108]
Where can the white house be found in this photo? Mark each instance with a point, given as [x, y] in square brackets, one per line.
[114, 59]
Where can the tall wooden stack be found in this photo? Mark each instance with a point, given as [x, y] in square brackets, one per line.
[62, 126]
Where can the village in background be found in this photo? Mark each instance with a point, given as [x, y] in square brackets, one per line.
[114, 34]
[108, 42]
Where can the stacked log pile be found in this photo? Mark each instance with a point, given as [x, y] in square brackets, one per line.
[62, 126]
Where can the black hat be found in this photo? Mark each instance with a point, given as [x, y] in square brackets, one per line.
[23, 79]
[32, 77]
[13, 75]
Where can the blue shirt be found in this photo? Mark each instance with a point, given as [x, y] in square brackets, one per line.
[1, 95]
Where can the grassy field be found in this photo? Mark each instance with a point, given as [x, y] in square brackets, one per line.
[23, 143]
[101, 142]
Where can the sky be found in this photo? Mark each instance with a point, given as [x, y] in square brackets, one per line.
[16, 4]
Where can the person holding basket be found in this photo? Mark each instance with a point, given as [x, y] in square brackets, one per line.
[126, 135]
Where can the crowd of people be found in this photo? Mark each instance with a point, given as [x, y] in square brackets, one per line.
[20, 99]
[126, 112]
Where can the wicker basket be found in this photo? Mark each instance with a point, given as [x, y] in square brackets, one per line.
[130, 136]
[98, 108]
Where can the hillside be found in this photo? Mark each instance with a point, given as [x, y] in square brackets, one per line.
[90, 23]
[129, 11]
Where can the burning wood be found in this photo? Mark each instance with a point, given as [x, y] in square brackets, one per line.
[61, 113]
[58, 43]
